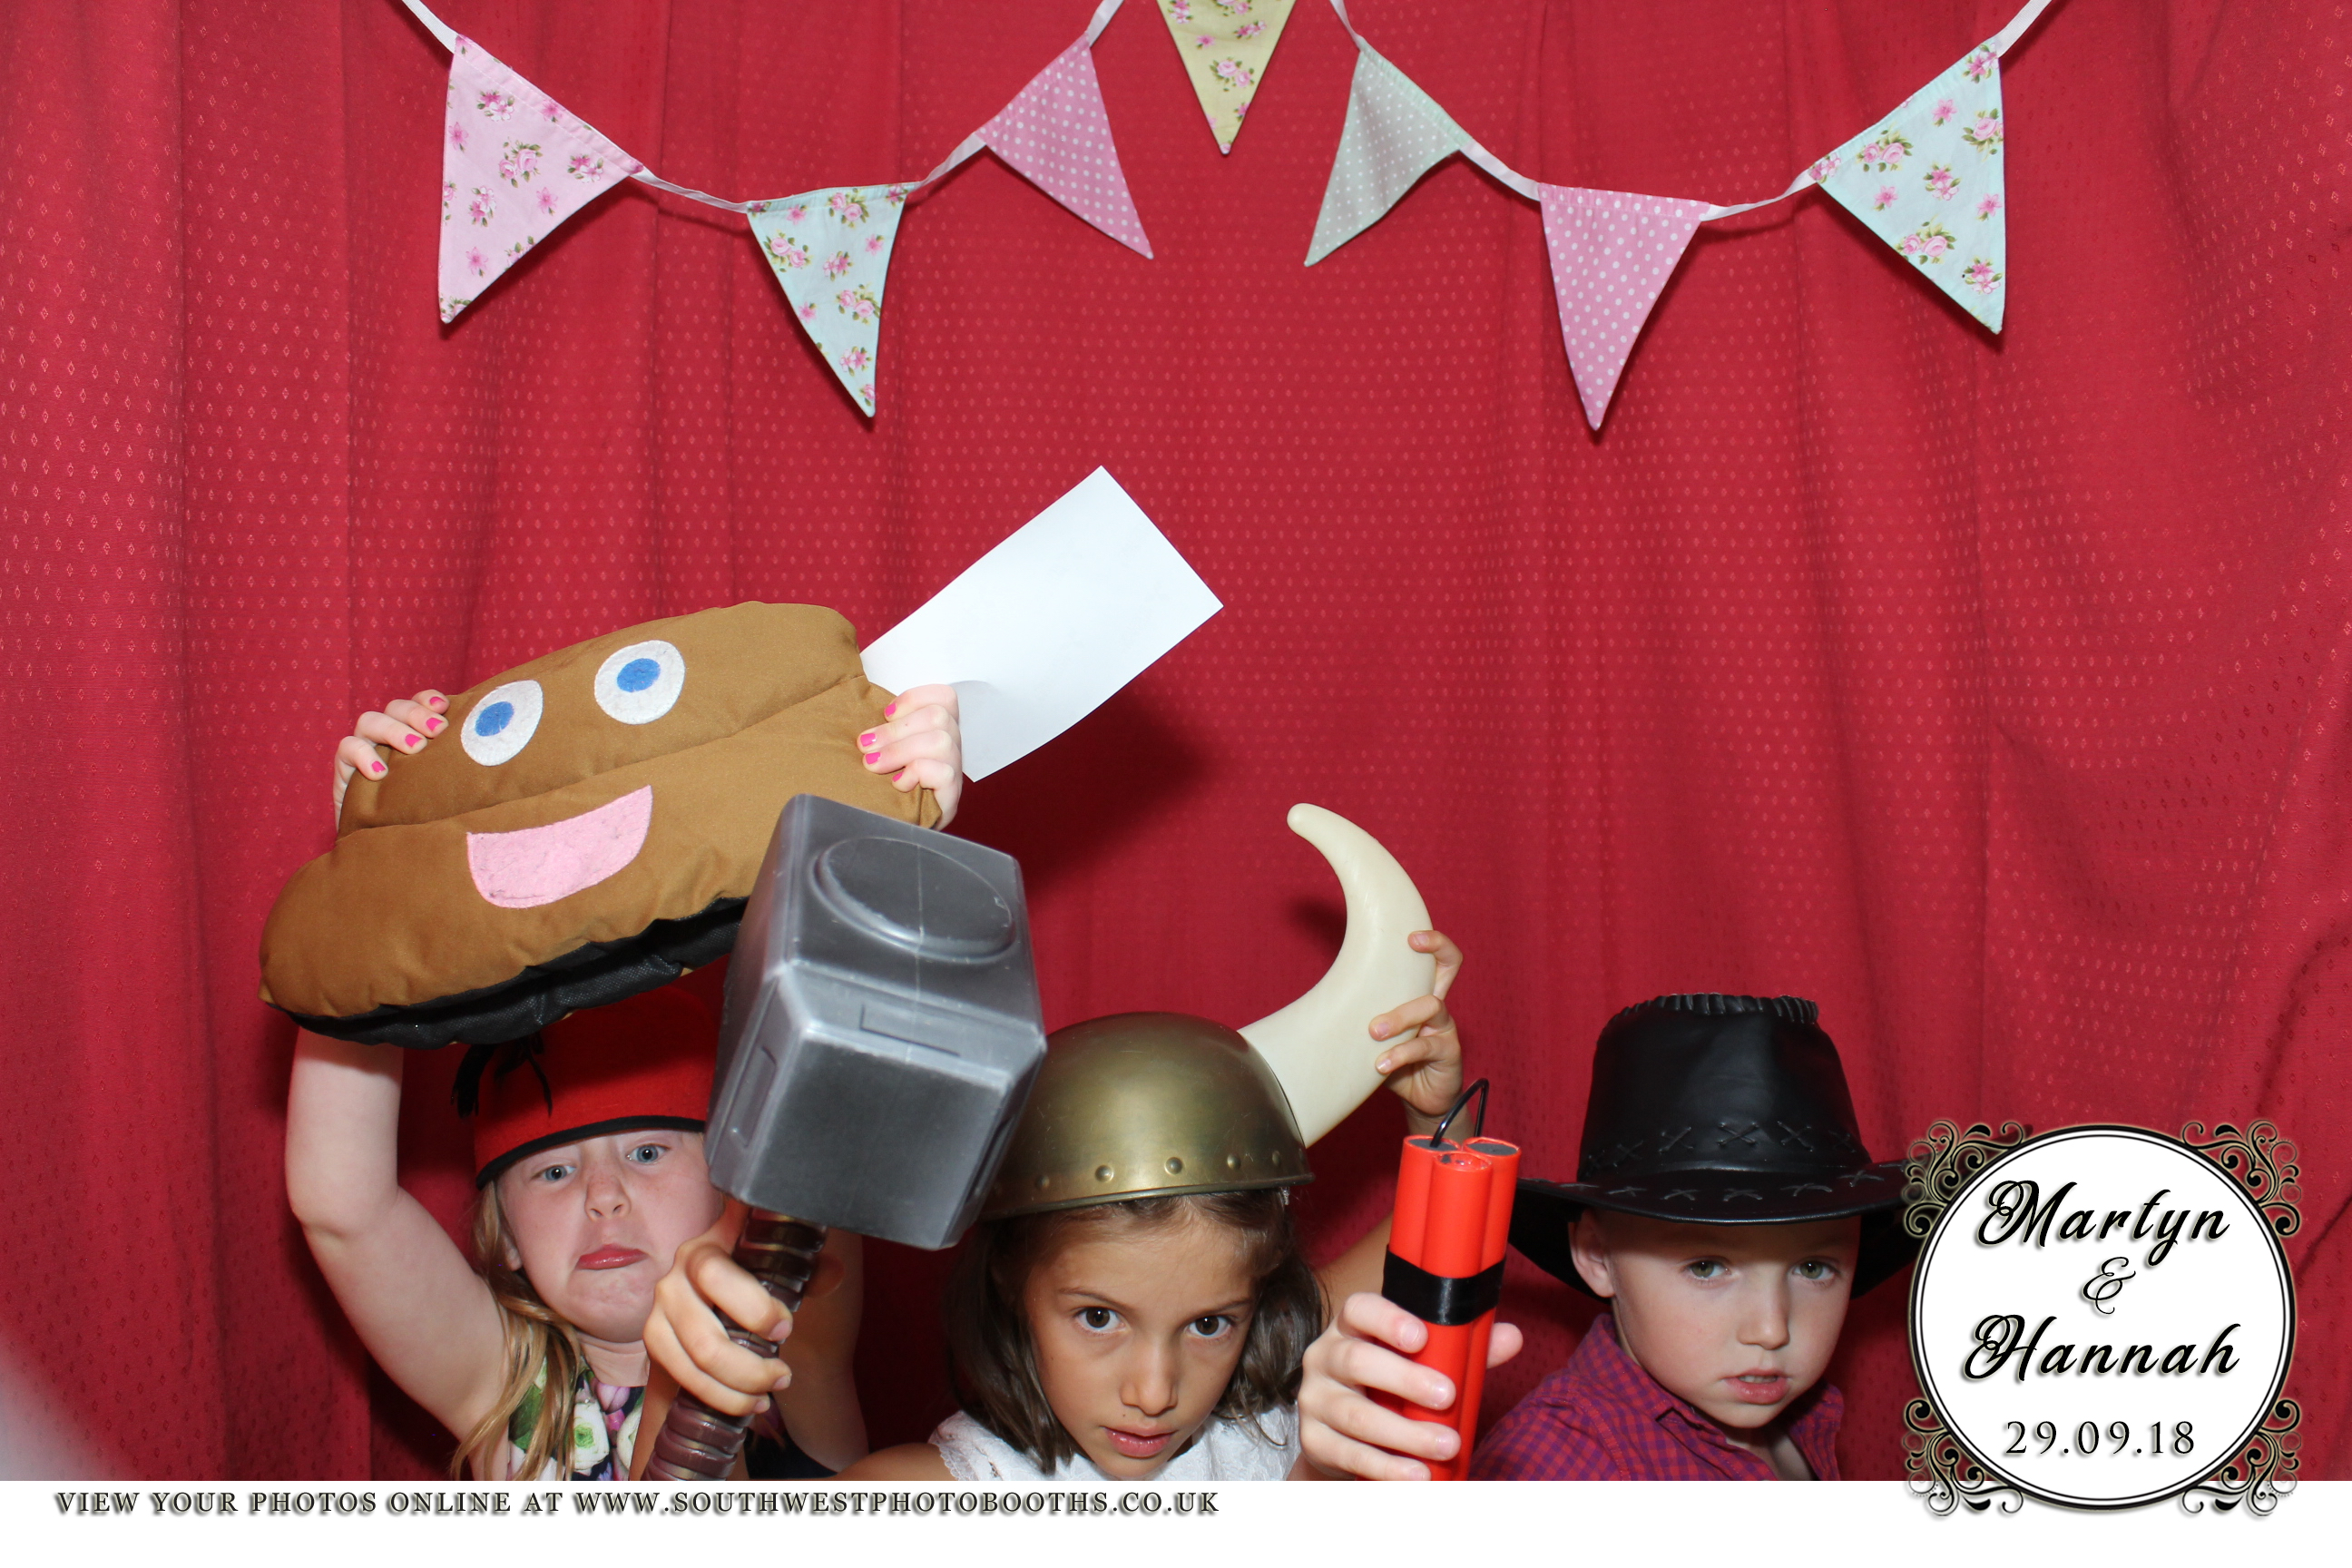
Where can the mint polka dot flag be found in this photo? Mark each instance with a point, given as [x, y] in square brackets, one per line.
[1394, 133]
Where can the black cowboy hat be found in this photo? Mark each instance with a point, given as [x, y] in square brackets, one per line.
[1719, 1110]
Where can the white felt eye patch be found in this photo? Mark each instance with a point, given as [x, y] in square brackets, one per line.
[641, 682]
[502, 723]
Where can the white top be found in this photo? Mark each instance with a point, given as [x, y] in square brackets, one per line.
[1250, 1450]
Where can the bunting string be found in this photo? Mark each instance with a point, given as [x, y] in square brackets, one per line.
[1927, 179]
[515, 164]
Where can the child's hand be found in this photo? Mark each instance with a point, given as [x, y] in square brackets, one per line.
[1342, 1432]
[685, 1335]
[1424, 1067]
[404, 725]
[922, 744]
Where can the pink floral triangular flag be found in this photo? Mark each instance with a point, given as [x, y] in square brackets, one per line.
[831, 251]
[514, 164]
[1056, 133]
[1226, 46]
[1611, 252]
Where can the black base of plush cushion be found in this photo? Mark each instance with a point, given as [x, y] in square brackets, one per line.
[590, 976]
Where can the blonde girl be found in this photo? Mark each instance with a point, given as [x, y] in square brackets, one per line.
[589, 1161]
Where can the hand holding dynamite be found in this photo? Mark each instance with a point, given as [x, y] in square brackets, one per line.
[1440, 1287]
[1445, 1265]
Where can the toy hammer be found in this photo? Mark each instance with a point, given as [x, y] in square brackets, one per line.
[881, 1034]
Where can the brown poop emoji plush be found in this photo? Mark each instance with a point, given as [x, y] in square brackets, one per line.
[590, 828]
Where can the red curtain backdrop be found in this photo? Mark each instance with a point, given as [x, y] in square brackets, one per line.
[1991, 691]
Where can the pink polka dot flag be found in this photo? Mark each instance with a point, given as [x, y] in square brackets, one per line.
[1056, 133]
[514, 164]
[1611, 252]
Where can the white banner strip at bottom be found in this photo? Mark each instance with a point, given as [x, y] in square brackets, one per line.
[360, 1524]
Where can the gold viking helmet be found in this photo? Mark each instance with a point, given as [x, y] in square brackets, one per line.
[1147, 1105]
[1161, 1104]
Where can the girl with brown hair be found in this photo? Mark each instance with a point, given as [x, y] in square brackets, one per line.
[1136, 1302]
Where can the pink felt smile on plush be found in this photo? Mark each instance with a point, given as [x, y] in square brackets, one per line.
[535, 866]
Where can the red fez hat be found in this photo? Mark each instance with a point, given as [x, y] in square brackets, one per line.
[644, 1061]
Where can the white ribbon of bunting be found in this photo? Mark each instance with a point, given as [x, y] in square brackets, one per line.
[1476, 151]
[1929, 180]
[1999, 45]
[965, 149]
[1936, 159]
[515, 164]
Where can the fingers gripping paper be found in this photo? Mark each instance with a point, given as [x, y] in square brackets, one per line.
[1040, 631]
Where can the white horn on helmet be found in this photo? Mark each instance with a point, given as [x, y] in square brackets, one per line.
[1321, 1046]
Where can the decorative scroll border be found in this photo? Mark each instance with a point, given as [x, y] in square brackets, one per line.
[1941, 1164]
[1944, 1475]
[1940, 1472]
[2264, 1164]
[2264, 1470]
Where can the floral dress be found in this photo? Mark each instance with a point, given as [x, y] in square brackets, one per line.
[604, 1427]
[605, 1418]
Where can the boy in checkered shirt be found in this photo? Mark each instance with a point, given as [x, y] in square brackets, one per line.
[1726, 1210]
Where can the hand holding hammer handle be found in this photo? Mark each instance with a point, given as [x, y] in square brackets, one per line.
[697, 1442]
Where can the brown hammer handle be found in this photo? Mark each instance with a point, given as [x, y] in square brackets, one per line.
[697, 1443]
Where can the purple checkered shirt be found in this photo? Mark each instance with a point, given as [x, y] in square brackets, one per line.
[1602, 1418]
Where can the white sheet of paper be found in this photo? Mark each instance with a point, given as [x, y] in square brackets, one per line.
[1040, 631]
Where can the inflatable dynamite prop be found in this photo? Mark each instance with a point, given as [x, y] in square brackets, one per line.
[589, 828]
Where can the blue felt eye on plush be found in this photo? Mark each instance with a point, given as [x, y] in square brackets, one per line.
[639, 683]
[502, 722]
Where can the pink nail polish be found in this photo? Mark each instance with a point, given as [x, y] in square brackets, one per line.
[890, 711]
[375, 767]
[866, 740]
[433, 726]
[412, 741]
[437, 702]
[873, 757]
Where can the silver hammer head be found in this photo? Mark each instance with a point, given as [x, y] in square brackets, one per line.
[882, 1026]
